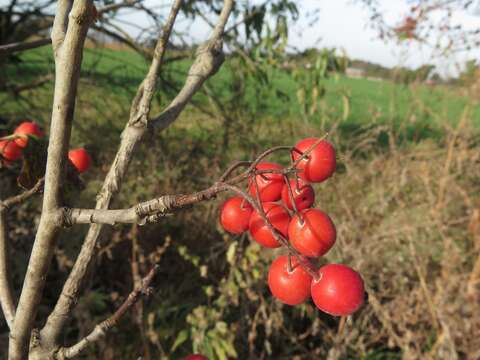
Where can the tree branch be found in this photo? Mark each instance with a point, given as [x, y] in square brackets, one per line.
[60, 23]
[112, 7]
[152, 210]
[208, 60]
[6, 293]
[18, 199]
[21, 46]
[58, 31]
[68, 56]
[131, 135]
[104, 327]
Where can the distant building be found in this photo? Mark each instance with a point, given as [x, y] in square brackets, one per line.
[355, 72]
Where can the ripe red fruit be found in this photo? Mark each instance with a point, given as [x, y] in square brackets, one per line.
[269, 185]
[320, 163]
[278, 217]
[10, 150]
[303, 194]
[290, 287]
[312, 232]
[196, 357]
[25, 129]
[235, 215]
[339, 291]
[80, 159]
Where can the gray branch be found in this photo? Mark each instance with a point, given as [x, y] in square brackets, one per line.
[132, 134]
[208, 60]
[137, 214]
[68, 56]
[6, 294]
[22, 46]
[7, 302]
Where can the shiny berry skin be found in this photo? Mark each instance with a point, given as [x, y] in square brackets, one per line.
[302, 192]
[80, 159]
[313, 236]
[290, 287]
[235, 215]
[10, 150]
[196, 357]
[27, 128]
[278, 217]
[320, 163]
[269, 185]
[339, 291]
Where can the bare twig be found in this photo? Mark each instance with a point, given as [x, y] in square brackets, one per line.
[64, 7]
[22, 46]
[6, 295]
[113, 7]
[18, 199]
[104, 327]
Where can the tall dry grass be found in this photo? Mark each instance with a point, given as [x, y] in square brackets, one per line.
[408, 219]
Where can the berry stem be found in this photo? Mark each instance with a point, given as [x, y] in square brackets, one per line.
[304, 262]
[290, 194]
[289, 263]
[232, 168]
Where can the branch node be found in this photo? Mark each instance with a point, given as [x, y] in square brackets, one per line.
[66, 218]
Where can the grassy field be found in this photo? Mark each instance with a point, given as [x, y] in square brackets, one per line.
[116, 75]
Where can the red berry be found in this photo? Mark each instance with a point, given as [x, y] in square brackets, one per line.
[278, 217]
[302, 193]
[320, 163]
[235, 215]
[339, 291]
[312, 232]
[196, 357]
[269, 185]
[80, 159]
[290, 287]
[25, 129]
[10, 150]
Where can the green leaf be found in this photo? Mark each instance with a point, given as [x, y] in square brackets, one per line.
[228, 347]
[181, 338]
[222, 355]
[232, 249]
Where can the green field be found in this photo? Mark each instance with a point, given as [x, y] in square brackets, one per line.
[350, 103]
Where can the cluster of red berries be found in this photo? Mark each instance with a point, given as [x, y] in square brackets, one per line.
[287, 204]
[11, 147]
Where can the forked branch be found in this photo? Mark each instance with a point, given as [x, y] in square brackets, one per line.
[131, 136]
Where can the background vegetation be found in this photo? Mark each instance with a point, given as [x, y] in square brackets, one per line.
[404, 199]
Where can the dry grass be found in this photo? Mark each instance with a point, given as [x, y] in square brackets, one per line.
[409, 220]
